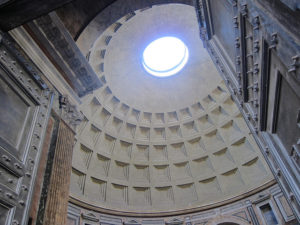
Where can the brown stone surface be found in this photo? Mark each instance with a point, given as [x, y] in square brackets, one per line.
[56, 206]
[40, 173]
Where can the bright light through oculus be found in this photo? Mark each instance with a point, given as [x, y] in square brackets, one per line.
[165, 56]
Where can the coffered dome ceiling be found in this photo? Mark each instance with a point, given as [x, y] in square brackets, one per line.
[149, 144]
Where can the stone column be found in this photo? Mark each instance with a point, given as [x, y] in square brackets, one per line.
[58, 194]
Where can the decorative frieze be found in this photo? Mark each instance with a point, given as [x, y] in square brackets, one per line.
[59, 46]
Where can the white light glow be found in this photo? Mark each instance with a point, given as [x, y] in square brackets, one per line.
[165, 56]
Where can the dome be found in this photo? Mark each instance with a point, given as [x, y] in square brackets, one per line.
[150, 145]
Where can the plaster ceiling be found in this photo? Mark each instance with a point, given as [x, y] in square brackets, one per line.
[122, 63]
[152, 145]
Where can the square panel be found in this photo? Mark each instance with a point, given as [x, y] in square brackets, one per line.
[17, 112]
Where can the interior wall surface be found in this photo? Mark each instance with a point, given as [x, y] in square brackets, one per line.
[27, 101]
[258, 58]
[25, 105]
[250, 210]
[262, 74]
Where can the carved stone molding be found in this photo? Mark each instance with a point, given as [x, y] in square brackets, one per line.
[131, 222]
[69, 112]
[60, 48]
[242, 212]
[264, 49]
[90, 217]
[295, 155]
[24, 93]
[175, 222]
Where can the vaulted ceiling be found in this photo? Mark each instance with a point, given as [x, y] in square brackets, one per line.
[148, 145]
[152, 145]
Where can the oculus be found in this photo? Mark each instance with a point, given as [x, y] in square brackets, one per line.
[165, 56]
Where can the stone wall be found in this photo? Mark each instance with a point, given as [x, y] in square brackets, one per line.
[258, 57]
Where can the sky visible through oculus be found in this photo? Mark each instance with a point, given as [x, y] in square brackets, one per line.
[165, 56]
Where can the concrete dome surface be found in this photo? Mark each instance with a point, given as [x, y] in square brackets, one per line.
[148, 144]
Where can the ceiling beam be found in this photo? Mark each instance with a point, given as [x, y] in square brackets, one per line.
[15, 13]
